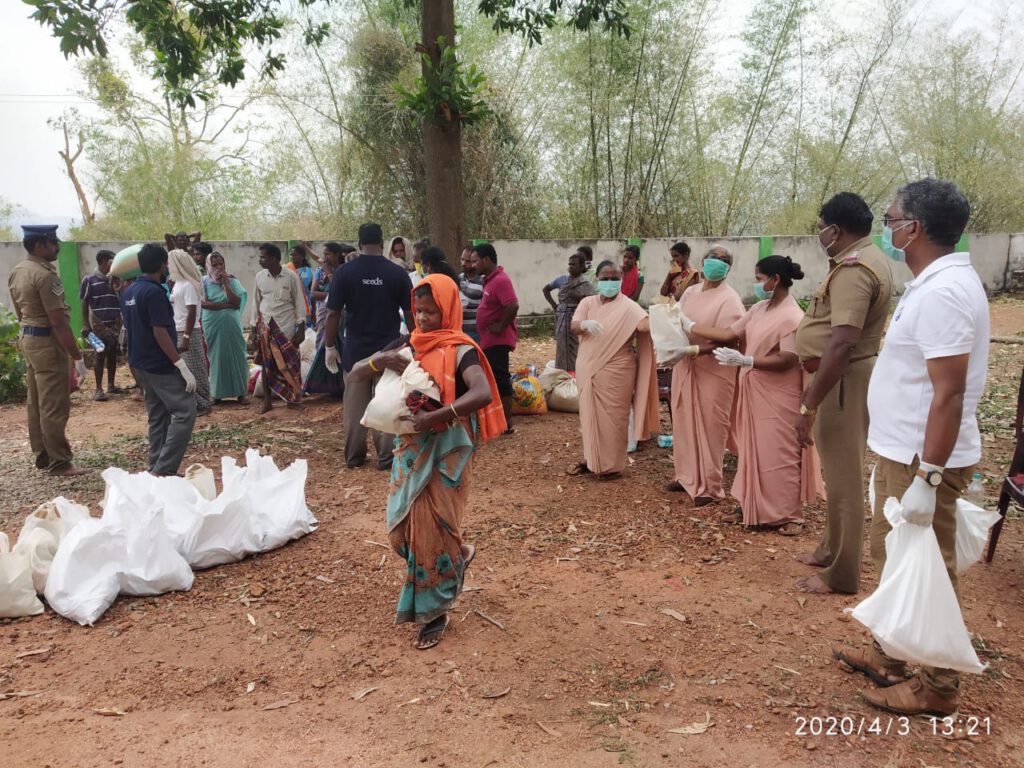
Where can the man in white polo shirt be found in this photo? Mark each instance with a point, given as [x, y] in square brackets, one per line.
[922, 403]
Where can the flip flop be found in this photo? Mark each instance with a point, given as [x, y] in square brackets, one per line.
[579, 469]
[432, 633]
[469, 558]
[791, 529]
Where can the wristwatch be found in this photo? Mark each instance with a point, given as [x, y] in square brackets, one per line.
[805, 411]
[933, 478]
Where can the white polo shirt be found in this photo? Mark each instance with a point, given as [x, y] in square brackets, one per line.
[943, 313]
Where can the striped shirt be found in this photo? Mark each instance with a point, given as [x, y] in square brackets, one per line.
[104, 305]
[472, 290]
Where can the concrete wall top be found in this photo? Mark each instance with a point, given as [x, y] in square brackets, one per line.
[533, 263]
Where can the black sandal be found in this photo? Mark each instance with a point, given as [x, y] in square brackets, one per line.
[432, 633]
[579, 469]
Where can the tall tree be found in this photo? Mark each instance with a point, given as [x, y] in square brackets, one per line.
[192, 39]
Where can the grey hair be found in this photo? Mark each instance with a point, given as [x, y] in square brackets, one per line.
[725, 252]
[939, 205]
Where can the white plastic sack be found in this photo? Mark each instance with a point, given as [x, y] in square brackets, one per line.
[40, 546]
[42, 532]
[667, 333]
[914, 613]
[871, 491]
[127, 551]
[17, 595]
[972, 527]
[202, 478]
[307, 349]
[560, 389]
[385, 411]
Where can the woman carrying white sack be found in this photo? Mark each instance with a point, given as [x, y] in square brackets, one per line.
[922, 400]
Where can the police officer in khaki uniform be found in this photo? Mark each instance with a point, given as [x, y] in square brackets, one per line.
[837, 342]
[48, 346]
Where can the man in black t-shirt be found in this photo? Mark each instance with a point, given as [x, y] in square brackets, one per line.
[371, 291]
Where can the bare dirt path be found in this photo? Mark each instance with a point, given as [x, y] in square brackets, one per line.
[586, 669]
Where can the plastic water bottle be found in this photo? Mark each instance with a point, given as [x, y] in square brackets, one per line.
[95, 342]
[975, 492]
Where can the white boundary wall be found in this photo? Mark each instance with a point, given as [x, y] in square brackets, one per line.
[533, 263]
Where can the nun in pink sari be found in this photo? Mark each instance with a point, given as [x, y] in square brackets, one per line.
[702, 390]
[775, 477]
[615, 371]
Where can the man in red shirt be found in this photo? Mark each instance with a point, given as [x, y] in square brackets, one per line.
[496, 322]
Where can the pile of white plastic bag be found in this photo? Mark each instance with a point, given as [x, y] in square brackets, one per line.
[153, 532]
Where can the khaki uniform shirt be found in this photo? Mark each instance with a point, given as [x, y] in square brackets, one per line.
[36, 289]
[281, 299]
[856, 292]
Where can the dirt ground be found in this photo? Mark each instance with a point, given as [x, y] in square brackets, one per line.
[560, 652]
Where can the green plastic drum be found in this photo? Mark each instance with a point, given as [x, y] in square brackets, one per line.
[126, 262]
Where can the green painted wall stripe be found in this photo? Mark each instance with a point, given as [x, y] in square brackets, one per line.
[878, 241]
[765, 247]
[71, 277]
[477, 242]
[964, 244]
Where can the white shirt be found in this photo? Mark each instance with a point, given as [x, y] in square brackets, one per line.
[279, 298]
[183, 296]
[943, 313]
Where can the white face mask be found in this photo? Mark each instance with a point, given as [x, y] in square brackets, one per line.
[826, 247]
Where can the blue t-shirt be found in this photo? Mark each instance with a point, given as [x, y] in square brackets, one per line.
[144, 305]
[370, 290]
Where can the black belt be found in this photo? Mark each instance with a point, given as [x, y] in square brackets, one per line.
[35, 330]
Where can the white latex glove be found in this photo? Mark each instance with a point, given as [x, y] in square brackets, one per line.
[592, 327]
[687, 324]
[691, 351]
[919, 500]
[331, 359]
[733, 357]
[80, 370]
[186, 374]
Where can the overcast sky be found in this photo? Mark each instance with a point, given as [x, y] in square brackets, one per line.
[38, 84]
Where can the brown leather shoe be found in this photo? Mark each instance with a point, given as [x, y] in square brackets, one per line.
[863, 660]
[911, 698]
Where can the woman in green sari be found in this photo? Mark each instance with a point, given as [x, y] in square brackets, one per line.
[430, 474]
[223, 304]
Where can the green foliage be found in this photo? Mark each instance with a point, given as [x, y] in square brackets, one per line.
[449, 92]
[12, 364]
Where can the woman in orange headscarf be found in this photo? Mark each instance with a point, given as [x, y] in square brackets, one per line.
[430, 473]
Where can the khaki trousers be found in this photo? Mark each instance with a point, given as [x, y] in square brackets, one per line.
[357, 396]
[841, 435]
[893, 479]
[48, 377]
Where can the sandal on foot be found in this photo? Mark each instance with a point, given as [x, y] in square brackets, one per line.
[674, 487]
[703, 501]
[468, 557]
[863, 660]
[790, 529]
[431, 634]
[100, 396]
[735, 516]
[579, 469]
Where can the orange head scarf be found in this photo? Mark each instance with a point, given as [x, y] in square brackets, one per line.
[437, 352]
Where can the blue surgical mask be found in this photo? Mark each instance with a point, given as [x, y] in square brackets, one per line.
[715, 269]
[760, 293]
[890, 250]
[609, 288]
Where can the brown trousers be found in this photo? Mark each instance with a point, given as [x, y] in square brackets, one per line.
[841, 435]
[893, 479]
[358, 395]
[48, 376]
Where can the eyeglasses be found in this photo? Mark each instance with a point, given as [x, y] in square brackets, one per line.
[887, 220]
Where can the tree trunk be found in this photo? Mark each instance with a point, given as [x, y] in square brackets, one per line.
[69, 158]
[442, 143]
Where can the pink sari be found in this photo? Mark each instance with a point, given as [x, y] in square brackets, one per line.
[774, 477]
[702, 396]
[612, 377]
